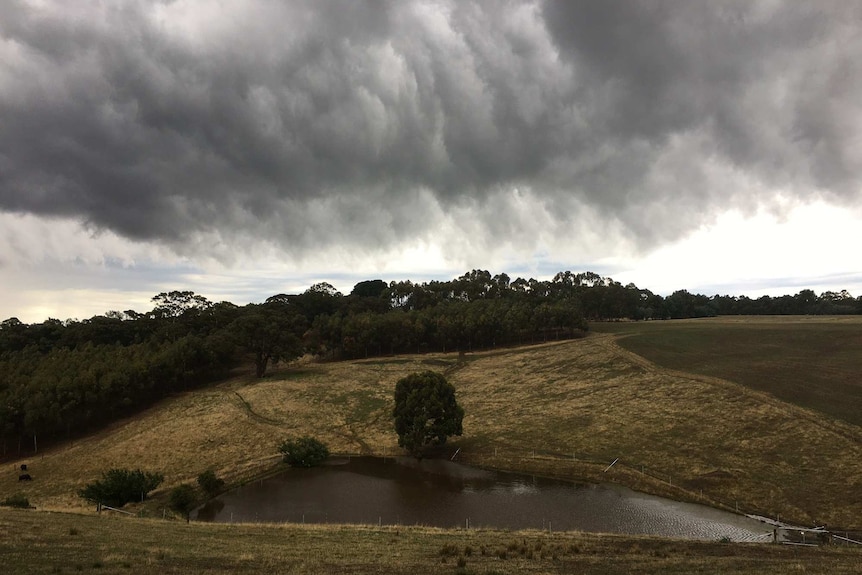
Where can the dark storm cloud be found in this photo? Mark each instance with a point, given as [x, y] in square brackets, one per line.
[732, 69]
[311, 122]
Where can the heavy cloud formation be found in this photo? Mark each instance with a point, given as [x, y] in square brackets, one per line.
[303, 124]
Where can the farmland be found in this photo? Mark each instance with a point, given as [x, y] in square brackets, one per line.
[709, 434]
[812, 362]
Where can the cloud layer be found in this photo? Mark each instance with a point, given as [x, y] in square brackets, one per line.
[218, 128]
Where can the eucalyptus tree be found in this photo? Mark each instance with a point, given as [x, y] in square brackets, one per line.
[270, 332]
[426, 412]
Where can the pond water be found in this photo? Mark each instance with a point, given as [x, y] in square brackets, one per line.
[402, 491]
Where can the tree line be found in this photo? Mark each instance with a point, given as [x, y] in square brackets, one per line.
[59, 379]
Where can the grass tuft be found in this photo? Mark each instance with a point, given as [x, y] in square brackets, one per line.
[449, 550]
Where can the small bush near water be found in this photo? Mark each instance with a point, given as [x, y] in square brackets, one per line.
[17, 500]
[120, 486]
[183, 500]
[304, 452]
[210, 483]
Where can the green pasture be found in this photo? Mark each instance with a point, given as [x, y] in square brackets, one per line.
[811, 361]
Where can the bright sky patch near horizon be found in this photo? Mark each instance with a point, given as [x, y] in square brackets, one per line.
[247, 148]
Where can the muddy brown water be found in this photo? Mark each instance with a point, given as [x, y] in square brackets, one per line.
[402, 491]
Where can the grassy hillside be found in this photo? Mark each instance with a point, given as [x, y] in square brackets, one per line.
[813, 362]
[32, 542]
[566, 409]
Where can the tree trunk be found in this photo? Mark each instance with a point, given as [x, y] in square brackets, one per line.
[260, 364]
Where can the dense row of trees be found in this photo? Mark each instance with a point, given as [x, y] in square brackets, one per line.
[62, 391]
[59, 378]
[594, 297]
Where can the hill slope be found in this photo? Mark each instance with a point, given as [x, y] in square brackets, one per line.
[813, 362]
[565, 409]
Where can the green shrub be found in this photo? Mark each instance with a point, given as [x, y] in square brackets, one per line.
[183, 500]
[120, 486]
[210, 483]
[304, 452]
[18, 501]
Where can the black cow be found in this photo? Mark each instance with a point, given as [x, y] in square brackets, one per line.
[23, 467]
[24, 477]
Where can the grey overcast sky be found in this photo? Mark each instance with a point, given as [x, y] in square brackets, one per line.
[243, 148]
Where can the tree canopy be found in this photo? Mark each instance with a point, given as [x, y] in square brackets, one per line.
[426, 412]
[59, 378]
[271, 332]
[304, 452]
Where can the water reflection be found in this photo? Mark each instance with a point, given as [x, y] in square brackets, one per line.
[210, 510]
[440, 493]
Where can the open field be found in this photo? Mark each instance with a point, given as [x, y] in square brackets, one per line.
[564, 409]
[812, 361]
[34, 542]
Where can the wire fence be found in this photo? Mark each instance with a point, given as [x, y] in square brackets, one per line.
[592, 467]
[609, 467]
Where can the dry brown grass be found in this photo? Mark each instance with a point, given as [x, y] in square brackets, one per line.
[813, 362]
[33, 542]
[565, 409]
